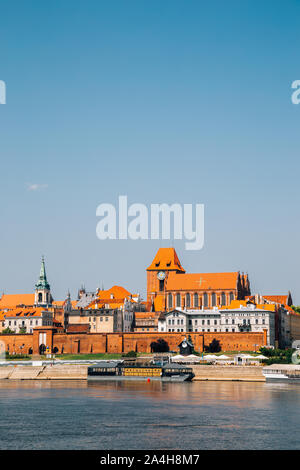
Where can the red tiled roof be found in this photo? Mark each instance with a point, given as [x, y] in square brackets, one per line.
[202, 281]
[78, 328]
[12, 300]
[279, 299]
[166, 259]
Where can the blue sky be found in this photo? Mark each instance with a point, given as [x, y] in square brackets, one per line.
[174, 101]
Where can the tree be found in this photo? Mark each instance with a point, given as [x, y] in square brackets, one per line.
[159, 346]
[130, 354]
[214, 346]
[22, 330]
[296, 308]
[191, 342]
[7, 331]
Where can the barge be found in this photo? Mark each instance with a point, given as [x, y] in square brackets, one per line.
[121, 371]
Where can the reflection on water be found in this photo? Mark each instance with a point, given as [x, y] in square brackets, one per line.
[155, 415]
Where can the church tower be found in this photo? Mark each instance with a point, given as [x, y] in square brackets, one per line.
[43, 297]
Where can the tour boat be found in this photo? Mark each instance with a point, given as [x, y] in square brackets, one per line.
[120, 371]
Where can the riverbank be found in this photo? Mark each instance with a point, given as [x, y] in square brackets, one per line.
[79, 372]
[228, 373]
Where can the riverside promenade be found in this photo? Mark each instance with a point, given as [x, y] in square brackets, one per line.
[75, 371]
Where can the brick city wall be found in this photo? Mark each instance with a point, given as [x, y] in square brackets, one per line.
[124, 342]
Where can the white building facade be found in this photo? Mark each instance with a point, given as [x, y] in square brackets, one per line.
[26, 323]
[243, 319]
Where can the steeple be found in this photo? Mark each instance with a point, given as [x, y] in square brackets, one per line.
[42, 288]
[42, 282]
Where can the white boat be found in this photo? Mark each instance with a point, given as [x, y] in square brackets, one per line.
[282, 373]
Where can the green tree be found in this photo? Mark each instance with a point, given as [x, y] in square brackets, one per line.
[159, 346]
[296, 308]
[22, 330]
[7, 331]
[214, 346]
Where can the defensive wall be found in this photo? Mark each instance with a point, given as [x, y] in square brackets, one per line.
[118, 343]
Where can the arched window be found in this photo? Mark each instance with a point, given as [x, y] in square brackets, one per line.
[205, 299]
[231, 296]
[40, 297]
[178, 300]
[213, 299]
[170, 301]
[223, 298]
[196, 300]
[188, 300]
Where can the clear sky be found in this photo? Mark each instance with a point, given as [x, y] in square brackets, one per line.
[163, 101]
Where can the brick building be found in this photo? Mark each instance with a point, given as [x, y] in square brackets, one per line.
[169, 286]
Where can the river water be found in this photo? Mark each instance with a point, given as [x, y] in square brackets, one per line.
[140, 415]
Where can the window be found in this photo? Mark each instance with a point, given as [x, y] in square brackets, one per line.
[161, 285]
[223, 299]
[205, 299]
[178, 300]
[170, 301]
[196, 300]
[231, 296]
[188, 300]
[213, 299]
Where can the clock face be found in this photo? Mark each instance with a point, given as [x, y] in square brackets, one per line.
[161, 275]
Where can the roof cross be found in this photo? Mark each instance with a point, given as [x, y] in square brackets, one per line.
[200, 281]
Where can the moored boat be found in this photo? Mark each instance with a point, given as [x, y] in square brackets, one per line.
[282, 373]
[121, 371]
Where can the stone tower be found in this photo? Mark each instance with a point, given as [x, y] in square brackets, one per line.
[43, 297]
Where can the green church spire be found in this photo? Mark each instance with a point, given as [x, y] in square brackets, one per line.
[42, 282]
